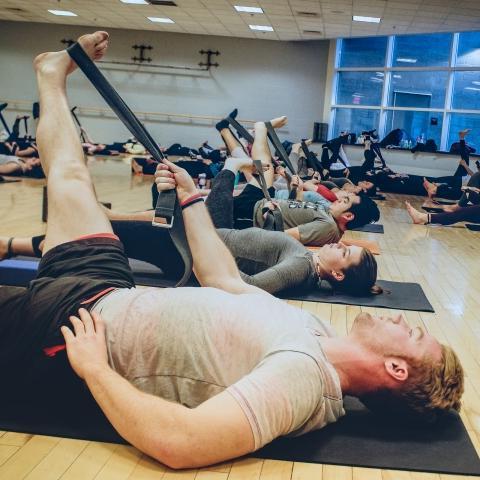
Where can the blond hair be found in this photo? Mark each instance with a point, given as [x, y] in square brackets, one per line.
[431, 388]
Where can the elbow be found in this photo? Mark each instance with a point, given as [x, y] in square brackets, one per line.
[178, 454]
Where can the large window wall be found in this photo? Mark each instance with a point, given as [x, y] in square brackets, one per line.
[427, 85]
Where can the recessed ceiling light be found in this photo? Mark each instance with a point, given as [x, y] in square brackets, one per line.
[406, 60]
[359, 18]
[63, 13]
[160, 20]
[376, 79]
[136, 2]
[239, 8]
[476, 83]
[261, 28]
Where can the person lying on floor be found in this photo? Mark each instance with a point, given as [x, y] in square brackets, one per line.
[272, 261]
[21, 167]
[470, 213]
[310, 223]
[269, 368]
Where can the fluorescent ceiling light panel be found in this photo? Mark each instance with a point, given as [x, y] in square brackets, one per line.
[63, 13]
[261, 28]
[160, 20]
[359, 18]
[473, 88]
[407, 60]
[239, 8]
[135, 2]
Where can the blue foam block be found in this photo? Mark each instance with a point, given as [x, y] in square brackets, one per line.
[17, 273]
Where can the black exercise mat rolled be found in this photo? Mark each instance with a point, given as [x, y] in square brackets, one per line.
[369, 227]
[360, 438]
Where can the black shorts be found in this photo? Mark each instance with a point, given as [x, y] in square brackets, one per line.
[75, 274]
[244, 205]
[70, 276]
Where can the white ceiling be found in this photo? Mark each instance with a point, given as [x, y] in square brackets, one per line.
[289, 18]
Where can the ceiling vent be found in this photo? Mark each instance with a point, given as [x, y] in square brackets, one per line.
[162, 3]
[313, 32]
[307, 14]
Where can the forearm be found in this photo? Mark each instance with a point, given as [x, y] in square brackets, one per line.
[212, 261]
[152, 424]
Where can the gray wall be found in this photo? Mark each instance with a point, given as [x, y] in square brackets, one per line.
[263, 78]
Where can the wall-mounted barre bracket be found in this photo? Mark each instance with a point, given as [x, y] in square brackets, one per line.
[142, 58]
[208, 64]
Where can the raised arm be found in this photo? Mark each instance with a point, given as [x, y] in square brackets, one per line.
[213, 264]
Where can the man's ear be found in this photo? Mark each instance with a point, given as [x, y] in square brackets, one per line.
[397, 368]
[337, 275]
[347, 216]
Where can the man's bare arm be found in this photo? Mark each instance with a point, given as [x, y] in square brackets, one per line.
[213, 263]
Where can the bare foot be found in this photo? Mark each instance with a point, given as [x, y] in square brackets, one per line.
[431, 188]
[463, 133]
[418, 218]
[59, 64]
[296, 148]
[279, 122]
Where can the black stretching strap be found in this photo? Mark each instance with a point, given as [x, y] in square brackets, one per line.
[241, 130]
[167, 205]
[274, 220]
[2, 119]
[77, 121]
[312, 160]
[272, 135]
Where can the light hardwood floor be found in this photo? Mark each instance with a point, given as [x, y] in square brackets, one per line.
[444, 260]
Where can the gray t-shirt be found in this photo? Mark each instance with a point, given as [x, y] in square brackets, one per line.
[189, 344]
[272, 261]
[314, 221]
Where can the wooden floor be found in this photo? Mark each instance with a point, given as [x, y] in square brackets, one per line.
[444, 260]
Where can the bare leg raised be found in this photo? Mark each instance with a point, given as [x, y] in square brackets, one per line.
[73, 210]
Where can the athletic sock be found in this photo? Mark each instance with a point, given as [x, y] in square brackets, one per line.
[3, 106]
[222, 124]
[234, 114]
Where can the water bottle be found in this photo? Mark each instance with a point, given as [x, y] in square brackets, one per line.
[202, 180]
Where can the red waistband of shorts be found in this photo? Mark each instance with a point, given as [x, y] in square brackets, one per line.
[53, 350]
[112, 236]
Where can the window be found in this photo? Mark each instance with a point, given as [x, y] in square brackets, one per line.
[468, 49]
[411, 82]
[466, 91]
[360, 88]
[416, 124]
[417, 89]
[422, 50]
[363, 52]
[355, 120]
[460, 121]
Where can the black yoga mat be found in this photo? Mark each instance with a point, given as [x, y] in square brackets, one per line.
[369, 227]
[378, 197]
[396, 295]
[473, 226]
[358, 439]
[362, 439]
